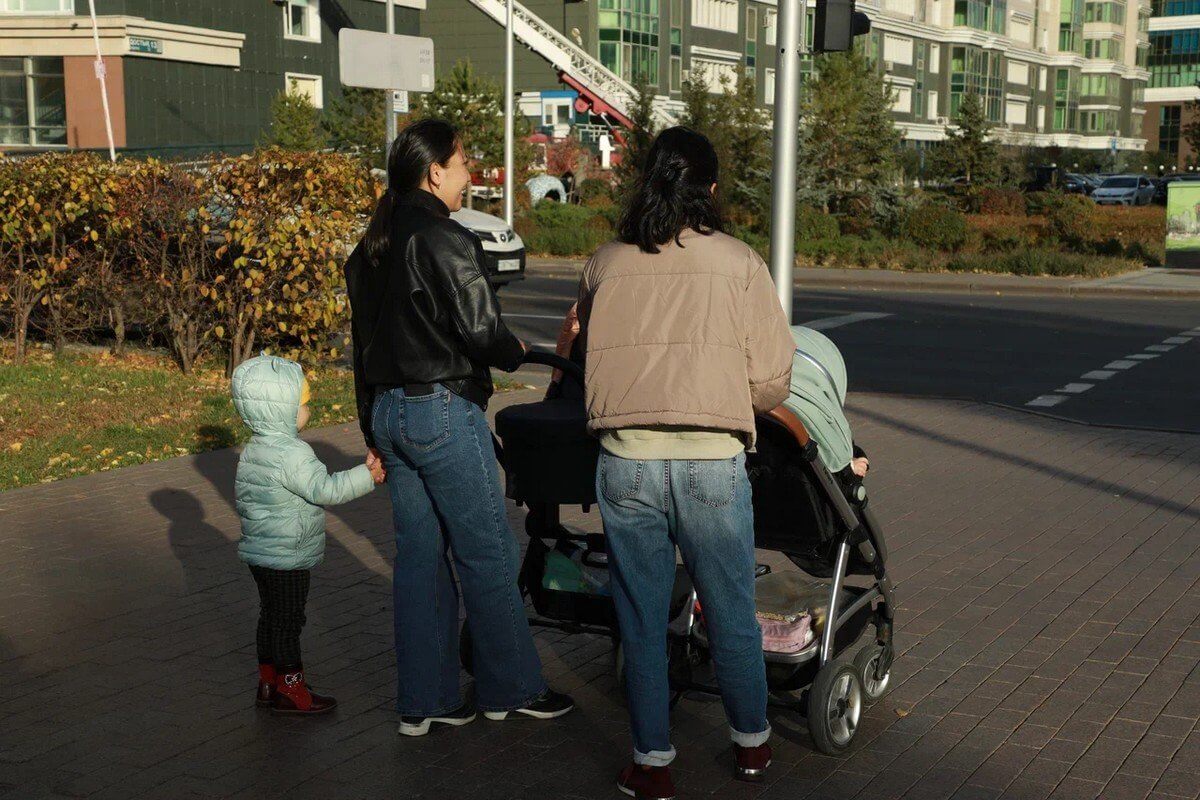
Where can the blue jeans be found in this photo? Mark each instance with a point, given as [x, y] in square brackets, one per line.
[649, 507]
[447, 504]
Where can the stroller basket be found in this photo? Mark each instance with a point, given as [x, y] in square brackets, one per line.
[561, 605]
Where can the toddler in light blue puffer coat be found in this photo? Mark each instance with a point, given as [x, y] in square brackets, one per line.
[282, 489]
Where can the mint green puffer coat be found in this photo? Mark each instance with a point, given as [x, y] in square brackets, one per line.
[281, 485]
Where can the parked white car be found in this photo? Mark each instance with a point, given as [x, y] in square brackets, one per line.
[502, 246]
[1125, 190]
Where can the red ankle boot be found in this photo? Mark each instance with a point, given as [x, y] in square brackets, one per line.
[646, 783]
[751, 762]
[292, 695]
[266, 685]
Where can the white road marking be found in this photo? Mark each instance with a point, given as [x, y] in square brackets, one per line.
[825, 323]
[1046, 400]
[1110, 369]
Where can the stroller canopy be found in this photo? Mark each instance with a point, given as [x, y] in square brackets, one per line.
[818, 393]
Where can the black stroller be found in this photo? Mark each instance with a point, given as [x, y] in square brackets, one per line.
[820, 521]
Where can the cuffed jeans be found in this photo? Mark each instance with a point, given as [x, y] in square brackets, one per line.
[447, 504]
[704, 507]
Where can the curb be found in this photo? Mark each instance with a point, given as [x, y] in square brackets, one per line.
[937, 282]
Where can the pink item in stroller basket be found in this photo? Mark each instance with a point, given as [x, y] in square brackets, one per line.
[782, 635]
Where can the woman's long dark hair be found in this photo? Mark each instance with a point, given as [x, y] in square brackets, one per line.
[675, 192]
[418, 147]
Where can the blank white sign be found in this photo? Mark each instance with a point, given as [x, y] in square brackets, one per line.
[373, 60]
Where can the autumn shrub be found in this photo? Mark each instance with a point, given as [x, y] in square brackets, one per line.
[1001, 201]
[934, 226]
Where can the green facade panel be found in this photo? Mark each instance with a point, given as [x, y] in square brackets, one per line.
[173, 107]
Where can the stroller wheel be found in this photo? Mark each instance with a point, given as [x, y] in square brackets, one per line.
[835, 704]
[866, 662]
[466, 649]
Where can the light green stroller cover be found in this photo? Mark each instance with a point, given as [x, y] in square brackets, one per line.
[818, 393]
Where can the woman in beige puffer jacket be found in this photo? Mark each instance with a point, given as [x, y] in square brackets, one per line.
[685, 342]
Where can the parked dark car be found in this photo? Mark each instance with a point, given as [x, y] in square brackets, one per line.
[1073, 183]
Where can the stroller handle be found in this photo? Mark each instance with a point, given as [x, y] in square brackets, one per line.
[567, 366]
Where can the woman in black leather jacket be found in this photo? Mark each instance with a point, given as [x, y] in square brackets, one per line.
[426, 330]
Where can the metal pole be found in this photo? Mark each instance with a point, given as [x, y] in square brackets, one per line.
[101, 75]
[787, 114]
[390, 101]
[508, 113]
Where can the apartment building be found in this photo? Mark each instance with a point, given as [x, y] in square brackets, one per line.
[183, 76]
[1070, 73]
[1174, 63]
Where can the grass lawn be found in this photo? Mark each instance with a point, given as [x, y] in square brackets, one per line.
[83, 412]
[1183, 242]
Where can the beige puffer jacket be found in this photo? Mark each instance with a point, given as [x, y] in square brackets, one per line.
[691, 336]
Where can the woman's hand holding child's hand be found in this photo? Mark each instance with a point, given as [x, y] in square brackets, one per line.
[375, 464]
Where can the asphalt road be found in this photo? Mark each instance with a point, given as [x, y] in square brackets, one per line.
[1113, 361]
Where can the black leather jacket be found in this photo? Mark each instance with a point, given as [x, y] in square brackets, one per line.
[427, 313]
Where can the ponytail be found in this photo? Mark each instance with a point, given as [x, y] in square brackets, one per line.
[417, 148]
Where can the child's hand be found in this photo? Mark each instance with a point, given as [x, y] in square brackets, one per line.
[859, 467]
[375, 465]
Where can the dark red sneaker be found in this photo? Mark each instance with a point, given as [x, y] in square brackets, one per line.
[266, 686]
[752, 762]
[292, 696]
[646, 783]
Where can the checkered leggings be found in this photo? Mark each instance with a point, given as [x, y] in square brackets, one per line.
[282, 594]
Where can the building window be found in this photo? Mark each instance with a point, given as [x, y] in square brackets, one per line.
[1098, 121]
[628, 33]
[1113, 13]
[37, 6]
[1101, 87]
[751, 40]
[984, 15]
[1174, 58]
[306, 86]
[974, 70]
[1066, 101]
[33, 101]
[1070, 26]
[769, 86]
[1169, 126]
[771, 26]
[676, 73]
[719, 15]
[1175, 8]
[918, 95]
[302, 20]
[1111, 49]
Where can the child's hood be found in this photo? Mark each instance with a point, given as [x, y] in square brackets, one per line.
[266, 392]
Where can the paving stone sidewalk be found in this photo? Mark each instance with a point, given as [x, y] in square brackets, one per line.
[1049, 579]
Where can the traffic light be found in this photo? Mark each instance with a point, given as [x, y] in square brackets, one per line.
[837, 23]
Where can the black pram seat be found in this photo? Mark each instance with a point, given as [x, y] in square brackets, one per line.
[548, 454]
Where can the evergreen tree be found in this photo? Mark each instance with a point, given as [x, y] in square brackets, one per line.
[848, 143]
[474, 104]
[967, 151]
[740, 133]
[295, 122]
[637, 140]
[356, 122]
